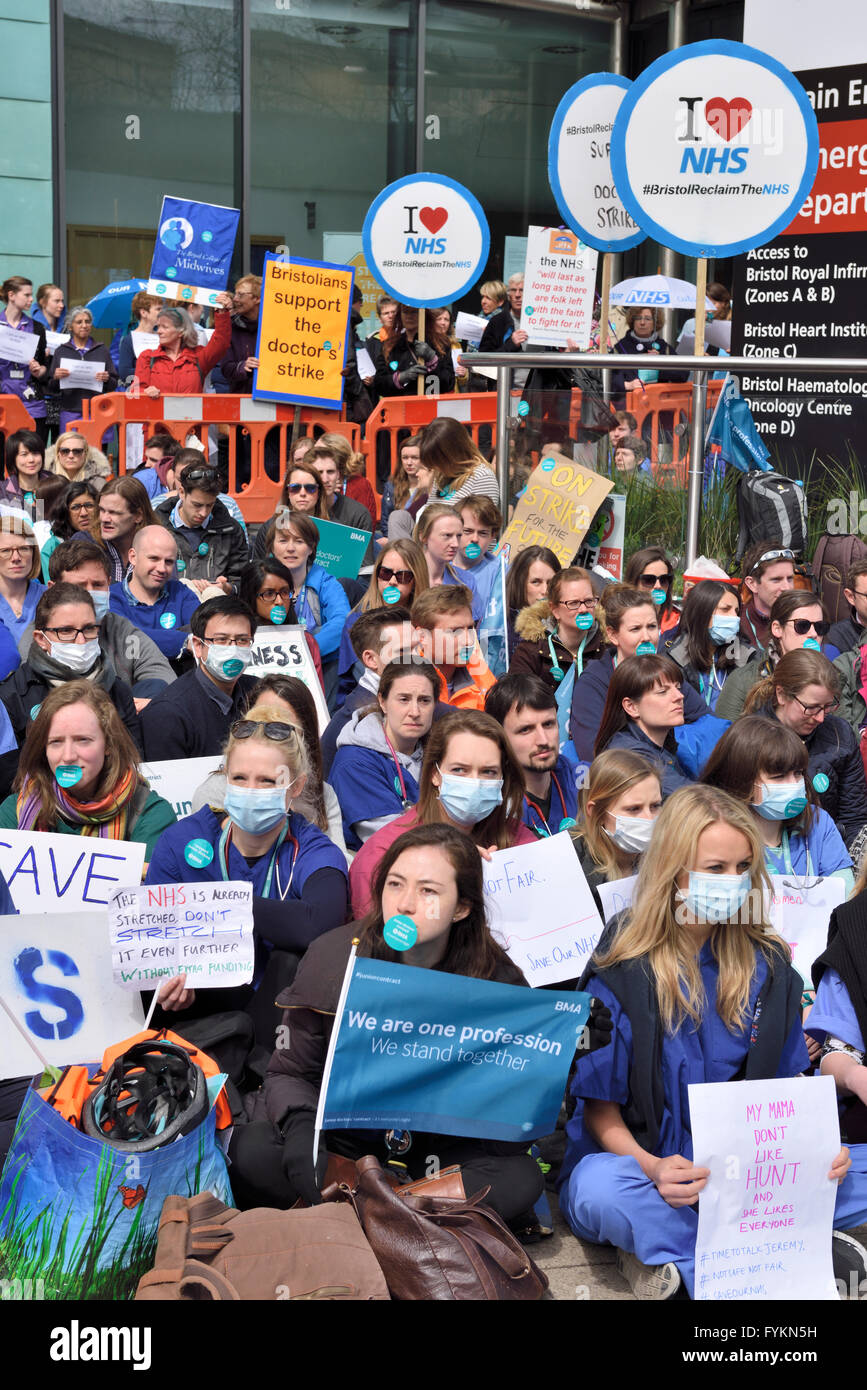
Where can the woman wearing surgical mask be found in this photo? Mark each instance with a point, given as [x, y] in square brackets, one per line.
[765, 765]
[65, 648]
[803, 694]
[469, 779]
[618, 807]
[298, 877]
[797, 622]
[651, 571]
[643, 708]
[79, 773]
[707, 646]
[700, 989]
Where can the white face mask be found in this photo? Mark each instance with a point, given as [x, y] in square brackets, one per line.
[226, 663]
[632, 833]
[76, 656]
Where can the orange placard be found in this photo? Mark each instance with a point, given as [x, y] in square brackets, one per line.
[303, 332]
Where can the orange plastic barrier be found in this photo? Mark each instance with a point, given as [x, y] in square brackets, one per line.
[657, 399]
[397, 416]
[14, 415]
[238, 417]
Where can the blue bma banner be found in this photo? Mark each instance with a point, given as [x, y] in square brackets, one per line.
[423, 1050]
[193, 250]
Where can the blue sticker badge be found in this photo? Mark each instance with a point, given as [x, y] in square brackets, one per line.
[473, 551]
[566, 823]
[393, 366]
[658, 596]
[326, 345]
[278, 614]
[811, 645]
[584, 621]
[198, 853]
[821, 782]
[182, 565]
[233, 667]
[204, 548]
[34, 710]
[523, 408]
[168, 620]
[67, 774]
[557, 673]
[391, 594]
[645, 649]
[547, 465]
[400, 932]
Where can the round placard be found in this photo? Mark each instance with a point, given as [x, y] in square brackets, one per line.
[426, 240]
[579, 164]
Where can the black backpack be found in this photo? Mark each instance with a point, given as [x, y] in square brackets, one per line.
[771, 508]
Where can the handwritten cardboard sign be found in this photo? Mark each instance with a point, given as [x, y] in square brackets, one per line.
[541, 910]
[765, 1217]
[201, 930]
[801, 915]
[56, 873]
[283, 651]
[556, 507]
[55, 976]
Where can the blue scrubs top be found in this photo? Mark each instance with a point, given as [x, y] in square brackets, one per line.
[367, 784]
[564, 801]
[709, 1052]
[833, 1014]
[827, 852]
[18, 626]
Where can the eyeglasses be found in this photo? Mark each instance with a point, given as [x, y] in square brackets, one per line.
[271, 595]
[773, 555]
[402, 576]
[248, 728]
[71, 634]
[198, 475]
[812, 710]
[803, 625]
[573, 604]
[86, 506]
[21, 549]
[70, 451]
[223, 641]
[651, 581]
[302, 487]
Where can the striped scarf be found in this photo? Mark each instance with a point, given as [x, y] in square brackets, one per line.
[106, 818]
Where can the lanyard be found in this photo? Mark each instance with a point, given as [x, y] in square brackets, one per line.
[300, 601]
[226, 840]
[714, 682]
[404, 799]
[544, 830]
[787, 860]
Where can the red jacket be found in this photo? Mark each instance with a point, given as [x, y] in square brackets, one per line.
[185, 375]
[359, 489]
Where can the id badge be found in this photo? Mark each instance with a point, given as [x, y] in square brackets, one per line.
[17, 374]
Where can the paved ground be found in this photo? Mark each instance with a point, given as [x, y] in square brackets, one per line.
[577, 1269]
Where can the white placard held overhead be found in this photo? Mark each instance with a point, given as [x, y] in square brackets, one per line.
[426, 240]
[579, 163]
[559, 283]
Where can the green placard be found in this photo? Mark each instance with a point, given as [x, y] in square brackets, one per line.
[341, 548]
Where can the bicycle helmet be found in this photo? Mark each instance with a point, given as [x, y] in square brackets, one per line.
[150, 1095]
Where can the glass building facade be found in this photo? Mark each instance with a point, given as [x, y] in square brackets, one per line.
[297, 111]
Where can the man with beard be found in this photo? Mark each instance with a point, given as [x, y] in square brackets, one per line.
[526, 708]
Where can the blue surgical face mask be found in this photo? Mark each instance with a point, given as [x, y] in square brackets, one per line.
[101, 599]
[255, 809]
[724, 628]
[715, 897]
[782, 802]
[469, 800]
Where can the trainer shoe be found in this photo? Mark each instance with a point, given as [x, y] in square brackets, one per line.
[650, 1283]
[849, 1259]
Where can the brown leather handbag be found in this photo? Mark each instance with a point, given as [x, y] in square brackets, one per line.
[434, 1247]
[207, 1251]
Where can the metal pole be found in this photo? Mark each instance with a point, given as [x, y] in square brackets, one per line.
[504, 381]
[58, 150]
[696, 465]
[672, 261]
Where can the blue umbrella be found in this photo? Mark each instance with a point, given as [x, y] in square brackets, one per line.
[111, 308]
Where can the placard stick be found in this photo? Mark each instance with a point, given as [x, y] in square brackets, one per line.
[606, 298]
[421, 340]
[46, 1065]
[147, 1022]
[700, 297]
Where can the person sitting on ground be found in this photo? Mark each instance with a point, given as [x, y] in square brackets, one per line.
[629, 617]
[272, 1160]
[124, 508]
[796, 622]
[469, 780]
[803, 693]
[25, 467]
[399, 575]
[160, 453]
[458, 468]
[527, 580]
[302, 491]
[850, 633]
[74, 459]
[482, 522]
[266, 587]
[632, 461]
[401, 490]
[191, 718]
[348, 492]
[378, 637]
[298, 876]
[618, 806]
[643, 708]
[442, 620]
[317, 803]
[651, 571]
[527, 710]
[20, 568]
[768, 570]
[707, 647]
[137, 660]
[74, 516]
[699, 986]
[212, 547]
[379, 754]
[559, 630]
[438, 532]
[150, 598]
[65, 648]
[764, 764]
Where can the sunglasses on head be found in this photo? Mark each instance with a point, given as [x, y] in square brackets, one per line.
[652, 581]
[803, 625]
[199, 475]
[773, 555]
[248, 728]
[303, 487]
[401, 576]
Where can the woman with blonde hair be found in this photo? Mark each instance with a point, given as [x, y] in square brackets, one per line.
[458, 468]
[701, 989]
[74, 459]
[399, 575]
[618, 807]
